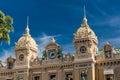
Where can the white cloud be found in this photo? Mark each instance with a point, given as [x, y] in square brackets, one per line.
[113, 41]
[6, 53]
[112, 21]
[42, 41]
[68, 48]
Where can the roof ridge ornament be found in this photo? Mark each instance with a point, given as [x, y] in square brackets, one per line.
[107, 43]
[84, 23]
[53, 40]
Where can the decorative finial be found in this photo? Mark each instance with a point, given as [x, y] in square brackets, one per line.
[107, 42]
[84, 11]
[53, 40]
[84, 23]
[27, 21]
[27, 28]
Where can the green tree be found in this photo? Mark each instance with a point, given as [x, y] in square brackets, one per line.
[60, 53]
[44, 55]
[6, 27]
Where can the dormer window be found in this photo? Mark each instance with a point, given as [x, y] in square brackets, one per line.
[10, 65]
[107, 54]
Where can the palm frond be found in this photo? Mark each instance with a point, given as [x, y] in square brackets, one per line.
[0, 40]
[5, 27]
[8, 20]
[1, 21]
[9, 28]
[6, 37]
[1, 14]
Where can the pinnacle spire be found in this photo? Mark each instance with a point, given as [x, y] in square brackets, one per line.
[84, 11]
[84, 23]
[27, 21]
[27, 27]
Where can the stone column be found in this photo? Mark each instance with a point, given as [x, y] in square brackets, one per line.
[30, 75]
[59, 75]
[89, 74]
[117, 73]
[101, 74]
[96, 74]
[93, 71]
[44, 75]
[76, 74]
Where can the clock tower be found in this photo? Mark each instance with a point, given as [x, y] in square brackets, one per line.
[25, 51]
[85, 43]
[53, 53]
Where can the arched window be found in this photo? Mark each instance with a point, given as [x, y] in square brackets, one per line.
[36, 78]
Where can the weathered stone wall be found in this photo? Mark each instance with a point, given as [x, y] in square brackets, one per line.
[117, 73]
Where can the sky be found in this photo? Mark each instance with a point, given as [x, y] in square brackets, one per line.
[60, 19]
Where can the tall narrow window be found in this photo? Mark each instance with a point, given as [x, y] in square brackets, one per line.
[53, 77]
[20, 78]
[68, 76]
[109, 77]
[36, 78]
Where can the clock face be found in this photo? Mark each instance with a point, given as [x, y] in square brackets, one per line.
[83, 49]
[21, 57]
[52, 54]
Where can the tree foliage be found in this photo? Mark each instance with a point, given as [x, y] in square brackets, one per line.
[60, 54]
[44, 55]
[6, 27]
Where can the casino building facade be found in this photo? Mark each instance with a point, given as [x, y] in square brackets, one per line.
[88, 63]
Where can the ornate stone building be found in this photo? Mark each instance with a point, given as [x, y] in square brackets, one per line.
[88, 63]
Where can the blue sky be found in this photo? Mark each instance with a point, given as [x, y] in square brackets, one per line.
[60, 19]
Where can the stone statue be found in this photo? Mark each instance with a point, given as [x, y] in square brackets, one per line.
[83, 75]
